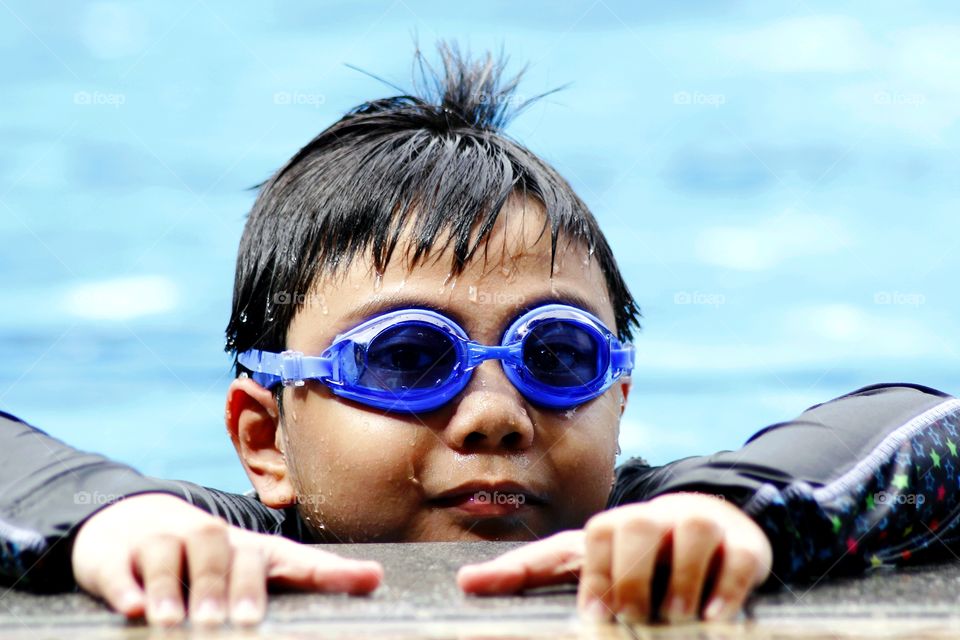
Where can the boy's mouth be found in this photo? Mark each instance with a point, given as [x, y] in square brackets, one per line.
[488, 499]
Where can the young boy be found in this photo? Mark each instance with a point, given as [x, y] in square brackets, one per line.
[380, 269]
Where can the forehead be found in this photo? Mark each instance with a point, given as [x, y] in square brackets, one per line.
[510, 272]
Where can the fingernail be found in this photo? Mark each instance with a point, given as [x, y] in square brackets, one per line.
[714, 609]
[480, 567]
[677, 612]
[595, 611]
[130, 600]
[166, 612]
[245, 612]
[209, 611]
[469, 569]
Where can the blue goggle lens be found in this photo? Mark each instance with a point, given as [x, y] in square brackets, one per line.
[562, 354]
[410, 356]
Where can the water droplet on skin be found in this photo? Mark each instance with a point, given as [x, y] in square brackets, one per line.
[522, 460]
[378, 282]
[569, 413]
[471, 294]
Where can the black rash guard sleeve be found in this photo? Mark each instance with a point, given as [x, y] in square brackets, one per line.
[864, 480]
[48, 489]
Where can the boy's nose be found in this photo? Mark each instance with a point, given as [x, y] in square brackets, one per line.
[490, 414]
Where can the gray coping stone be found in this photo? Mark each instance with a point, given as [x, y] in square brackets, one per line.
[419, 598]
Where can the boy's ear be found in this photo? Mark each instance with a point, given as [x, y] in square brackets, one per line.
[625, 389]
[253, 421]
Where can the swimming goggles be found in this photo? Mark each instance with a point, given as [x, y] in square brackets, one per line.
[412, 360]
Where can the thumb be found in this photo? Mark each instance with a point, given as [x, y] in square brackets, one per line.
[299, 566]
[553, 560]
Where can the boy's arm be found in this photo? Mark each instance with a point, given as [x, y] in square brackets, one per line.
[867, 479]
[48, 489]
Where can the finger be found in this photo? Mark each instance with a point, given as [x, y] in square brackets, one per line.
[248, 586]
[118, 586]
[637, 545]
[737, 578]
[302, 567]
[208, 563]
[695, 540]
[593, 596]
[554, 560]
[160, 562]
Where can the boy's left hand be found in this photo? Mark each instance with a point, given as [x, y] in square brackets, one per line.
[701, 537]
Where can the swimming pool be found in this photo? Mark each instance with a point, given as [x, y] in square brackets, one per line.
[778, 189]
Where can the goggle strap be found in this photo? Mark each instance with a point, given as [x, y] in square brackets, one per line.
[622, 357]
[289, 367]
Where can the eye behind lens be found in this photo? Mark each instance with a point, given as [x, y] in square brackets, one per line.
[408, 356]
[562, 353]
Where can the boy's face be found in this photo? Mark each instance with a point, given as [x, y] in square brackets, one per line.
[360, 474]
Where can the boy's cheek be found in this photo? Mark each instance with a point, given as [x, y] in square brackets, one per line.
[354, 475]
[583, 457]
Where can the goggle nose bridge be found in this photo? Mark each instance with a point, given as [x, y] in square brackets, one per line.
[477, 353]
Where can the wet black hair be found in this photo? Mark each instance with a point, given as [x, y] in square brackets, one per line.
[437, 160]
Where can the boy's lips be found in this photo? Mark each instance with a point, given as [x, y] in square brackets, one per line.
[486, 498]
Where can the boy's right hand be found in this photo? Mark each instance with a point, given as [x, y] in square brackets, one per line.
[139, 553]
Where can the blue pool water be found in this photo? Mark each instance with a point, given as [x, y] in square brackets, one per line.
[780, 187]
